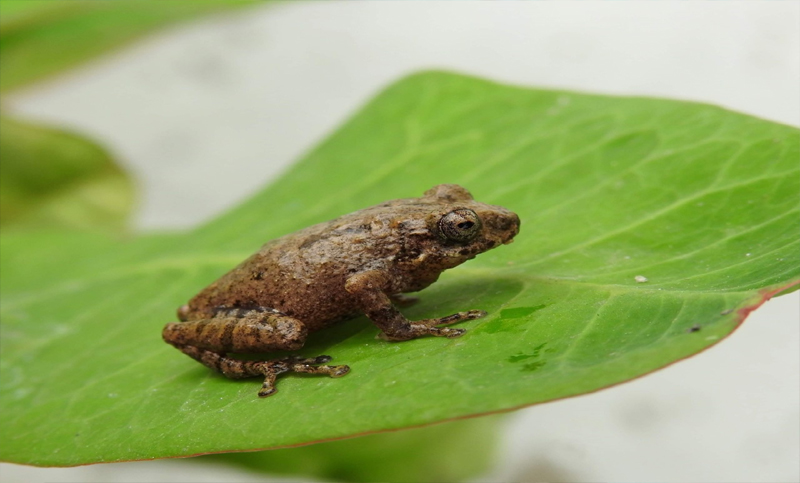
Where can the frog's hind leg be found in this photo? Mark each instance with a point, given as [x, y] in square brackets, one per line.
[247, 331]
[270, 370]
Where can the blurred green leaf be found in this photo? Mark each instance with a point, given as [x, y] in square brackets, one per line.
[452, 451]
[700, 201]
[50, 177]
[39, 38]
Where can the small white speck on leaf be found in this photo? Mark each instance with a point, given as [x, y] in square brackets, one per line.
[640, 278]
[747, 254]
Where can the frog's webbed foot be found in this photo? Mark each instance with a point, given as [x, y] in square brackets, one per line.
[272, 369]
[239, 369]
[429, 326]
[452, 319]
[448, 332]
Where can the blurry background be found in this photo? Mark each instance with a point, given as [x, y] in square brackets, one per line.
[205, 113]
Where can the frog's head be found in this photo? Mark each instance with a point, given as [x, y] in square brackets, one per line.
[463, 227]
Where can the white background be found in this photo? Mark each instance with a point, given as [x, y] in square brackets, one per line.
[228, 102]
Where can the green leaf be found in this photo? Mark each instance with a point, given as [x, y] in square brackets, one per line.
[700, 201]
[445, 452]
[50, 177]
[39, 38]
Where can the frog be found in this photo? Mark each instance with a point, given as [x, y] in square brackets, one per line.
[364, 262]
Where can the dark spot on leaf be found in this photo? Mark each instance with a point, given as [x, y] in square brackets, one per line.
[694, 328]
[533, 366]
[520, 357]
[534, 353]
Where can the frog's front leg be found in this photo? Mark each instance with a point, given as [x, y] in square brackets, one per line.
[247, 331]
[368, 292]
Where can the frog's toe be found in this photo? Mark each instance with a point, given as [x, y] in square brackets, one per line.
[445, 332]
[452, 333]
[268, 387]
[474, 314]
[271, 369]
[267, 390]
[339, 371]
[459, 317]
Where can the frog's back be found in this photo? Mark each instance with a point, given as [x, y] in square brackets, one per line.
[303, 274]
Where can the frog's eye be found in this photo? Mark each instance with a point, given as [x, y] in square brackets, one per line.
[460, 225]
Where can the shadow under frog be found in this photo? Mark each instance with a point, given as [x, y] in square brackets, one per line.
[360, 263]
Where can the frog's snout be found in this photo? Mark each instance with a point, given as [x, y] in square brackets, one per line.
[514, 228]
[502, 226]
[508, 226]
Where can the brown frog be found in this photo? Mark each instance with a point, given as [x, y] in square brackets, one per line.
[358, 263]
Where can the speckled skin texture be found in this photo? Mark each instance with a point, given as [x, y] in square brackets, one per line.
[358, 263]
